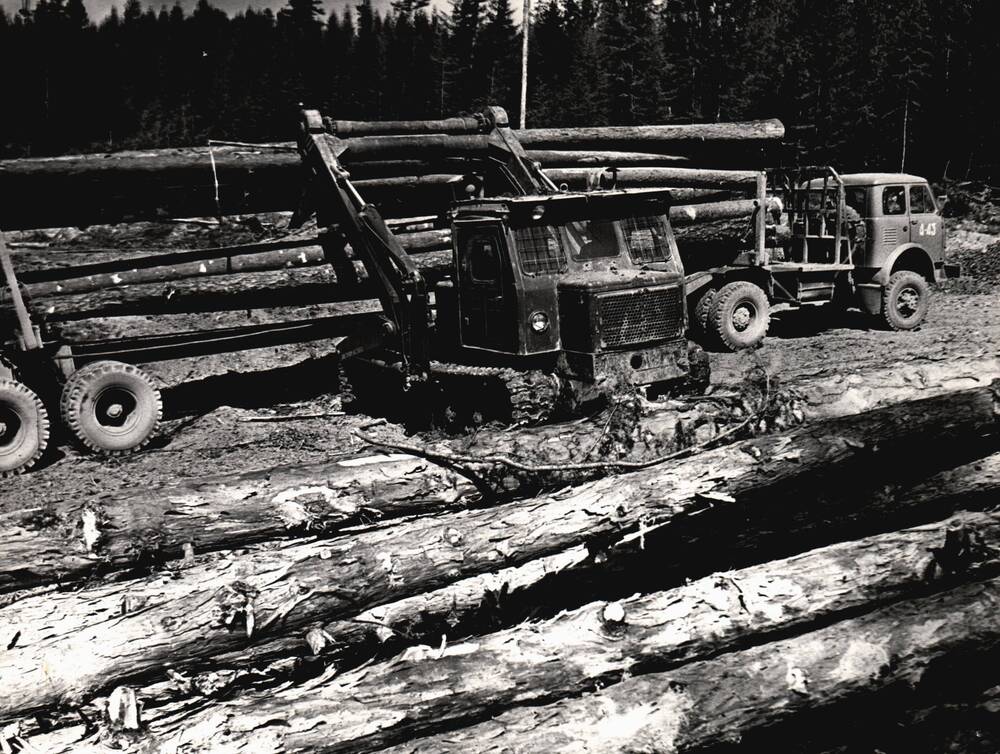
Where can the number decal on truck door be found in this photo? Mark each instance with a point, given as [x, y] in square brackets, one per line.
[928, 229]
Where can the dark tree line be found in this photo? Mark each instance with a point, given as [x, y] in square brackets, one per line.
[859, 83]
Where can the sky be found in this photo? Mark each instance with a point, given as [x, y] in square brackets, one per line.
[99, 8]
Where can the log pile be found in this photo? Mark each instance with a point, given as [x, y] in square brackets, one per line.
[751, 587]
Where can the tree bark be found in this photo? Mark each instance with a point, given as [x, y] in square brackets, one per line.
[64, 647]
[222, 292]
[737, 696]
[568, 158]
[647, 136]
[665, 177]
[599, 644]
[78, 538]
[183, 265]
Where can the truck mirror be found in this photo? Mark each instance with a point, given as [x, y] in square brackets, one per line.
[941, 201]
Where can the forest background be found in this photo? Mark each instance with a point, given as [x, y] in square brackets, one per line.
[861, 84]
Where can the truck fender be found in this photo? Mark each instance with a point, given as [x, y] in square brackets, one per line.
[870, 293]
[882, 276]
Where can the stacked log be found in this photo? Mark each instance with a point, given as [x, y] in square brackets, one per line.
[238, 179]
[81, 538]
[126, 632]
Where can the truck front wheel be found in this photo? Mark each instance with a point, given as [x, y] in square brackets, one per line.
[905, 300]
[740, 315]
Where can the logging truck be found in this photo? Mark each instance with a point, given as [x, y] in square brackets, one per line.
[552, 298]
[870, 240]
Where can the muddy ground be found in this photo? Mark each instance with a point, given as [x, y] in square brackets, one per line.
[258, 409]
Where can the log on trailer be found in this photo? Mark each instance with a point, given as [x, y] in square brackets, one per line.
[596, 645]
[198, 181]
[235, 291]
[77, 538]
[214, 608]
[746, 696]
[180, 265]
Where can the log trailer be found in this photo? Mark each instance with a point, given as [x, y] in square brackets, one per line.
[870, 240]
[553, 298]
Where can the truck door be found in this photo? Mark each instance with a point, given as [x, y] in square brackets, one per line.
[892, 228]
[485, 311]
[926, 227]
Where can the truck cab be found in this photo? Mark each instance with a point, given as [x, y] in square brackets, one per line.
[901, 252]
[589, 286]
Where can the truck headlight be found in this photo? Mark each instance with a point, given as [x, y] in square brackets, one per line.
[539, 321]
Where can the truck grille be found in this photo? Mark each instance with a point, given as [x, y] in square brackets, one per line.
[640, 316]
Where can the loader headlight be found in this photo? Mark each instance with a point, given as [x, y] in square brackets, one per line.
[539, 321]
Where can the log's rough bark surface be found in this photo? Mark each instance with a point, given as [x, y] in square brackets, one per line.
[81, 537]
[732, 697]
[184, 182]
[509, 596]
[65, 647]
[428, 689]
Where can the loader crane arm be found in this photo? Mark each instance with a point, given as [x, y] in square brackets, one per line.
[398, 283]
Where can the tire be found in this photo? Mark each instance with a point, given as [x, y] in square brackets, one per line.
[740, 315]
[703, 309]
[25, 433]
[111, 408]
[905, 300]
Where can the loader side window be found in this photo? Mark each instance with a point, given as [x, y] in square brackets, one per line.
[483, 259]
[647, 239]
[540, 250]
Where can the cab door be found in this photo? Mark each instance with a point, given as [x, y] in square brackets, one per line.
[894, 227]
[926, 227]
[485, 309]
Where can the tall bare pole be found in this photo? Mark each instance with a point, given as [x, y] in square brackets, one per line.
[525, 26]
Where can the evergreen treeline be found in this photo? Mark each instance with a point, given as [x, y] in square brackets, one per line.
[858, 83]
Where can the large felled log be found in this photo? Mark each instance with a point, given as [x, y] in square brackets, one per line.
[79, 537]
[186, 182]
[181, 265]
[597, 645]
[741, 695]
[222, 292]
[665, 177]
[512, 595]
[210, 609]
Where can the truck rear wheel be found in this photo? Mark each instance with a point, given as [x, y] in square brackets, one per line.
[24, 427]
[905, 300]
[111, 407]
[740, 315]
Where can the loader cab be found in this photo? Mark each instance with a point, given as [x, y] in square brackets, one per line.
[581, 280]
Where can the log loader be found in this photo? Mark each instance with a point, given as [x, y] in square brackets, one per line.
[553, 298]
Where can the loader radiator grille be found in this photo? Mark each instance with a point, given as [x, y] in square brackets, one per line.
[647, 239]
[640, 316]
[540, 251]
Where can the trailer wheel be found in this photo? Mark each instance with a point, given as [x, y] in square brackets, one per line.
[24, 427]
[740, 315]
[111, 408]
[905, 300]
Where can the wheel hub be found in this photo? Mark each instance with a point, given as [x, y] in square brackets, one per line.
[907, 302]
[742, 317]
[10, 426]
[115, 409]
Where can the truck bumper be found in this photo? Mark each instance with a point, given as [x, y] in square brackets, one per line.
[645, 366]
